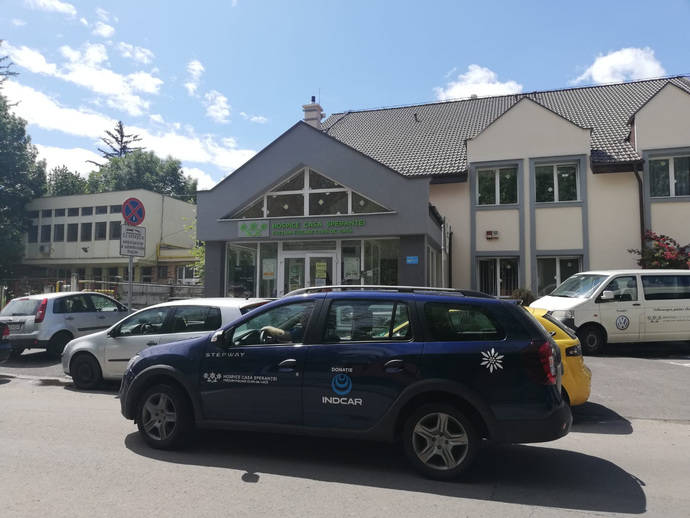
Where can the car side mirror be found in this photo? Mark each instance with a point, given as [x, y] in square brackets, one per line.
[607, 296]
[114, 332]
[222, 337]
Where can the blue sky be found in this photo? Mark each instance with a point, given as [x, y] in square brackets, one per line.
[213, 82]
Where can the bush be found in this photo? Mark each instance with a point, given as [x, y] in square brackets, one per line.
[525, 295]
[661, 251]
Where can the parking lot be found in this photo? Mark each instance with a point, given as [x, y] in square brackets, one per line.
[66, 452]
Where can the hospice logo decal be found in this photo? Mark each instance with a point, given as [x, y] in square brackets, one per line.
[341, 384]
[492, 360]
[622, 322]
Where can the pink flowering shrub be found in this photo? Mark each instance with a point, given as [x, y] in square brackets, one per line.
[661, 251]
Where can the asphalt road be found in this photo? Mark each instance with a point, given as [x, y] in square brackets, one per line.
[70, 453]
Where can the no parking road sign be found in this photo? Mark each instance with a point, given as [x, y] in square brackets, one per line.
[133, 211]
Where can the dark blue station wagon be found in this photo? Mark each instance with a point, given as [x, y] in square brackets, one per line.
[436, 370]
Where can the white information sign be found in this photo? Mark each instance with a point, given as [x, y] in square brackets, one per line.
[133, 241]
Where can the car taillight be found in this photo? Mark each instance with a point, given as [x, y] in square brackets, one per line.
[5, 331]
[541, 362]
[41, 312]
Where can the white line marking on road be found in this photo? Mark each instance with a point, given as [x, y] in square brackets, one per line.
[684, 364]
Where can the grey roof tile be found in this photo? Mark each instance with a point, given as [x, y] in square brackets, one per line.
[434, 143]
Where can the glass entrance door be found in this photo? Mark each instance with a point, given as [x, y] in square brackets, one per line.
[306, 269]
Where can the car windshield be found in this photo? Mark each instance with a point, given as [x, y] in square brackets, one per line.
[20, 308]
[578, 286]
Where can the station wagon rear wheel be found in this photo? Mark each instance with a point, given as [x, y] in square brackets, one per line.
[440, 441]
[164, 417]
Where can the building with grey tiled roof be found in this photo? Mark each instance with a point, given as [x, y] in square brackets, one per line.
[492, 193]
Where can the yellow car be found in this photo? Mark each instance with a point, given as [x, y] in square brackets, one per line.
[577, 378]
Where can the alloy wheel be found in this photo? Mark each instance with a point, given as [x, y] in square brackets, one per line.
[440, 441]
[159, 416]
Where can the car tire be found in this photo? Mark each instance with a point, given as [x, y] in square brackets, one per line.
[440, 441]
[16, 352]
[592, 340]
[86, 372]
[164, 417]
[58, 342]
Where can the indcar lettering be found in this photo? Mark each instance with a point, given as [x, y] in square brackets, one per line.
[334, 400]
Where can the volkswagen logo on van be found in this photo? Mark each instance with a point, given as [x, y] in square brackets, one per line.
[341, 384]
[622, 322]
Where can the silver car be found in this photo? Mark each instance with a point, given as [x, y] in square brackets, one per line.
[104, 355]
[49, 321]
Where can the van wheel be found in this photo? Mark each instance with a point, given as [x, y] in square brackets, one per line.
[440, 441]
[592, 339]
[85, 371]
[58, 342]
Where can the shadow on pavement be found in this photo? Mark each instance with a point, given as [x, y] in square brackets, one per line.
[671, 350]
[32, 359]
[106, 387]
[528, 475]
[596, 418]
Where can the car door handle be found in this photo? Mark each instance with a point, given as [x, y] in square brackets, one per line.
[101, 318]
[394, 365]
[637, 304]
[151, 343]
[69, 318]
[287, 365]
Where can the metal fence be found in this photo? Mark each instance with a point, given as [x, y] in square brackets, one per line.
[143, 293]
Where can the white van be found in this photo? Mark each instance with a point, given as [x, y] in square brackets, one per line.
[622, 306]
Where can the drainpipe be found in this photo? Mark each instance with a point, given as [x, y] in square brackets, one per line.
[640, 196]
[443, 253]
[450, 259]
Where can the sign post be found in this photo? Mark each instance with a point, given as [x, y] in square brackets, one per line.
[132, 238]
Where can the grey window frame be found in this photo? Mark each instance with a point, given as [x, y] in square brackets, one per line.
[554, 169]
[671, 176]
[104, 226]
[497, 186]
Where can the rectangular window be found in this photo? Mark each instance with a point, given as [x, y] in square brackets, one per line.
[279, 205]
[666, 287]
[59, 212]
[32, 214]
[552, 271]
[192, 319]
[72, 231]
[101, 209]
[47, 213]
[32, 236]
[97, 274]
[241, 268]
[162, 273]
[459, 322]
[624, 288]
[87, 211]
[556, 183]
[101, 227]
[115, 209]
[146, 274]
[45, 233]
[497, 184]
[498, 276]
[113, 274]
[86, 232]
[115, 230]
[367, 320]
[73, 211]
[59, 232]
[669, 177]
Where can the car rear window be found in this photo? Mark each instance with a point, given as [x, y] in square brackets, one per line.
[666, 287]
[191, 319]
[367, 320]
[448, 322]
[20, 308]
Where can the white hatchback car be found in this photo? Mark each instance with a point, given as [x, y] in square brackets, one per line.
[93, 358]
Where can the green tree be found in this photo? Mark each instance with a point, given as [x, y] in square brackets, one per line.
[198, 251]
[22, 178]
[63, 182]
[143, 170]
[5, 65]
[118, 142]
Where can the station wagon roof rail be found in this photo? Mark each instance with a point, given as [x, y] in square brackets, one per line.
[400, 289]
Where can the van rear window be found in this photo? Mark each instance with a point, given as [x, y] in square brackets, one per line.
[666, 287]
[20, 308]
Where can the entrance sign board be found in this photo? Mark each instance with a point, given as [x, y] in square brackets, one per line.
[133, 241]
[302, 227]
[133, 211]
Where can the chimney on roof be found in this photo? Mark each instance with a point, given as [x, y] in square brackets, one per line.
[313, 113]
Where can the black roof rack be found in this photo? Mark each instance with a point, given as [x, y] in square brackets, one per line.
[400, 289]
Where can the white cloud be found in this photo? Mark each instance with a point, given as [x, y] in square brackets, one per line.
[45, 112]
[217, 107]
[194, 69]
[145, 82]
[102, 14]
[623, 65]
[479, 81]
[52, 6]
[203, 179]
[74, 158]
[258, 119]
[157, 118]
[104, 30]
[83, 21]
[17, 22]
[30, 59]
[140, 54]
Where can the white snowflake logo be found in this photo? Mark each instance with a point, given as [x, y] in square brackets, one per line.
[492, 360]
[213, 377]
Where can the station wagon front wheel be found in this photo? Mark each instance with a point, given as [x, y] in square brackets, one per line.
[164, 417]
[440, 441]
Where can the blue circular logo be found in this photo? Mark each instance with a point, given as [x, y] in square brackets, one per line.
[341, 384]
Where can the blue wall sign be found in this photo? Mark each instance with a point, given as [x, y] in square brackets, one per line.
[412, 259]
